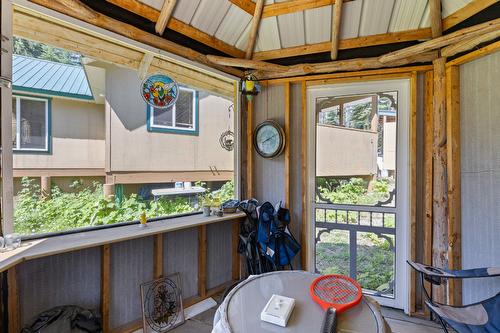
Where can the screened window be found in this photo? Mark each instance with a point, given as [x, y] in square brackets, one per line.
[30, 123]
[182, 117]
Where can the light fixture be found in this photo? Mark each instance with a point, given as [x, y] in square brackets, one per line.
[250, 87]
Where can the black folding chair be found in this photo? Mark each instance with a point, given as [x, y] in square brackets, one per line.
[481, 317]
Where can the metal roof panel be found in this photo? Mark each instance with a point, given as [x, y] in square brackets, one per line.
[291, 29]
[50, 78]
[375, 17]
[351, 17]
[268, 37]
[209, 15]
[318, 24]
[233, 25]
[407, 15]
[185, 9]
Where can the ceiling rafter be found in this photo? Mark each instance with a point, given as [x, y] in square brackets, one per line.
[152, 15]
[436, 21]
[294, 6]
[80, 11]
[252, 37]
[166, 12]
[336, 21]
[344, 44]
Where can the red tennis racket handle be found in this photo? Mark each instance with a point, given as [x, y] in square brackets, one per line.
[330, 321]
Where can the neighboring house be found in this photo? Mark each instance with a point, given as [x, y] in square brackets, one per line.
[89, 122]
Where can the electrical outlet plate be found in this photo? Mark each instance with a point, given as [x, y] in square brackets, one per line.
[278, 310]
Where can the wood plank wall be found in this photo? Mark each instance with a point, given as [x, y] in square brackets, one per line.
[107, 278]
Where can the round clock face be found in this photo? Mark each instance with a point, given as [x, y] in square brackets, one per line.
[269, 139]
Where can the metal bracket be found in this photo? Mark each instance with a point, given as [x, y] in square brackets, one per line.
[5, 82]
[5, 38]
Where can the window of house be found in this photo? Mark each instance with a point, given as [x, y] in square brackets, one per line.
[30, 123]
[180, 118]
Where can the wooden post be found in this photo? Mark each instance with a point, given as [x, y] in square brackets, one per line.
[249, 171]
[428, 169]
[436, 20]
[109, 190]
[105, 285]
[254, 29]
[454, 180]
[304, 230]
[336, 20]
[440, 190]
[202, 261]
[235, 262]
[158, 256]
[13, 302]
[413, 189]
[287, 145]
[45, 186]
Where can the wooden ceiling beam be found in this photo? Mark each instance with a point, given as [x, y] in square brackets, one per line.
[336, 20]
[174, 24]
[80, 11]
[146, 61]
[472, 8]
[247, 63]
[439, 42]
[344, 44]
[252, 37]
[166, 12]
[344, 65]
[436, 21]
[468, 44]
[293, 6]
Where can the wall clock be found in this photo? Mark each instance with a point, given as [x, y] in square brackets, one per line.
[269, 139]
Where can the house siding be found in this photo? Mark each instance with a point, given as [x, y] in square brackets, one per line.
[133, 149]
[77, 138]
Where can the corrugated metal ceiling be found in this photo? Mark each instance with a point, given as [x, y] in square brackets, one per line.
[229, 23]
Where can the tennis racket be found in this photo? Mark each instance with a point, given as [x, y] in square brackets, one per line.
[335, 294]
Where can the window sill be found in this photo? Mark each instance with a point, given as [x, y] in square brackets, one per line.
[44, 247]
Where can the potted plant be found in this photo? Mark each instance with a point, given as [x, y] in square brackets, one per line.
[206, 200]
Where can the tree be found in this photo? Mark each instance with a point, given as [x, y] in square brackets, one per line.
[38, 50]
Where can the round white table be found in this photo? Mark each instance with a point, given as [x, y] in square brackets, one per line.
[240, 310]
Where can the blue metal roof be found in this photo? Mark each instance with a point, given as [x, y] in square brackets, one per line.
[49, 78]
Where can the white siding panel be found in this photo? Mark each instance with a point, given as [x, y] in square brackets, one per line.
[480, 163]
[351, 17]
[291, 29]
[184, 10]
[407, 15]
[451, 6]
[426, 18]
[153, 3]
[318, 24]
[209, 15]
[233, 25]
[243, 39]
[375, 17]
[268, 38]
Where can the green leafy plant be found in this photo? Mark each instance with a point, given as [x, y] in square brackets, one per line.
[86, 206]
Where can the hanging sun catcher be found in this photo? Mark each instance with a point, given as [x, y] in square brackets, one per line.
[159, 91]
[226, 139]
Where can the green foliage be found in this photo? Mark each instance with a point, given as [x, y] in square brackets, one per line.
[38, 50]
[86, 206]
[353, 191]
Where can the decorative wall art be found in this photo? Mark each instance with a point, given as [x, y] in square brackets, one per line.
[159, 91]
[162, 308]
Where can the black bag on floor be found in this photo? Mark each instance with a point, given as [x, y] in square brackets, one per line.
[65, 319]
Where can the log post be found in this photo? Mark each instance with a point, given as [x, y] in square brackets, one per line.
[45, 183]
[440, 193]
[109, 190]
